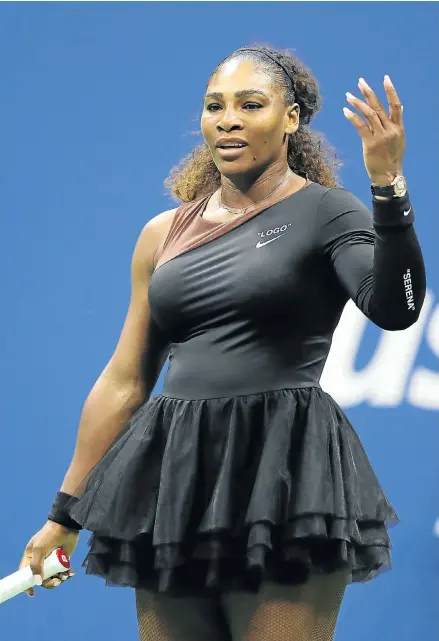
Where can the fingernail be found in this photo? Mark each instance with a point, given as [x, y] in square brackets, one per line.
[350, 96]
[363, 83]
[387, 79]
[346, 111]
[56, 583]
[64, 578]
[38, 580]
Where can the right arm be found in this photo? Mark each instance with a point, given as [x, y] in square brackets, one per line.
[125, 383]
[132, 372]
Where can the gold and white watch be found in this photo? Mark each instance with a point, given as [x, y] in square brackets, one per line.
[396, 189]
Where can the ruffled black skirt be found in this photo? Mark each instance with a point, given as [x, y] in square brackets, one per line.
[224, 493]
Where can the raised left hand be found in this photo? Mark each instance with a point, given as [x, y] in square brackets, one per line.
[382, 134]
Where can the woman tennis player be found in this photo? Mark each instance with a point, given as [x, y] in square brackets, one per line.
[239, 502]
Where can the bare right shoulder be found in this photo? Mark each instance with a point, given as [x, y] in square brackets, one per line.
[127, 363]
[151, 237]
[161, 223]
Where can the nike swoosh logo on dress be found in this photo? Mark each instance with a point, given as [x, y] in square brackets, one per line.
[259, 244]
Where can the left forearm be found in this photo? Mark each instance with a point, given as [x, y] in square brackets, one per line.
[393, 297]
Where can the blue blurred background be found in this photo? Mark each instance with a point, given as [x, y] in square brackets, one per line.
[98, 101]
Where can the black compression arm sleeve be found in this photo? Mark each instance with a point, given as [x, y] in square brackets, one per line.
[377, 259]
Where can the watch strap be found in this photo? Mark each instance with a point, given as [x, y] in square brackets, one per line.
[385, 191]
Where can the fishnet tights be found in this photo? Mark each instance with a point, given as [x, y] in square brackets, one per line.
[277, 613]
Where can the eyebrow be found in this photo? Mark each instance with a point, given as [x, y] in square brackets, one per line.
[238, 94]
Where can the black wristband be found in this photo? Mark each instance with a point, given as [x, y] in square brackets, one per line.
[395, 212]
[59, 512]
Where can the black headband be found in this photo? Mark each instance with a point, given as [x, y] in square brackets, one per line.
[268, 55]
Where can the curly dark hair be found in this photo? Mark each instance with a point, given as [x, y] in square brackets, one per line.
[308, 154]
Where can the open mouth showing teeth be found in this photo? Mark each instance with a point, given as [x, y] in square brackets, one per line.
[234, 146]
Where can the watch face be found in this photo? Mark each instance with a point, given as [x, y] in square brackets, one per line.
[400, 186]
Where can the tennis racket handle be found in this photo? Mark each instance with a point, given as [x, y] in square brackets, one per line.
[23, 579]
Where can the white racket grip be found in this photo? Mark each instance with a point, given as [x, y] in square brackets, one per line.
[23, 579]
